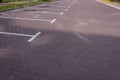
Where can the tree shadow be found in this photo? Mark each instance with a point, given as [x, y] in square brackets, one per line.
[57, 55]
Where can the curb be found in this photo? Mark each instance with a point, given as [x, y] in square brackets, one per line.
[109, 4]
[21, 7]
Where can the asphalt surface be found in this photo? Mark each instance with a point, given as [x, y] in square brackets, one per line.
[82, 44]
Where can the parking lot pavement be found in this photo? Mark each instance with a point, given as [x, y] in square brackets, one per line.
[82, 43]
[45, 12]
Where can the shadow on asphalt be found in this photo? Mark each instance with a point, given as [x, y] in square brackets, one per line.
[57, 55]
[46, 6]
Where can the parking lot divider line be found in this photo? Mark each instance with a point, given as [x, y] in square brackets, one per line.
[62, 13]
[73, 3]
[66, 9]
[25, 19]
[16, 34]
[53, 21]
[46, 12]
[34, 36]
[47, 8]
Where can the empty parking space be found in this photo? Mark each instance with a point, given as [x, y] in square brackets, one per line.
[44, 13]
[32, 37]
[81, 44]
[29, 19]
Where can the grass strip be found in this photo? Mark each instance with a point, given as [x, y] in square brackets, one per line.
[107, 0]
[110, 1]
[15, 6]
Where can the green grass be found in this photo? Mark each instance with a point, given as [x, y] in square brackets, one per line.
[110, 1]
[14, 6]
[107, 0]
[6, 1]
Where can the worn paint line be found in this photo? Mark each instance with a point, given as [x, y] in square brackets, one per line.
[25, 19]
[16, 34]
[33, 37]
[53, 21]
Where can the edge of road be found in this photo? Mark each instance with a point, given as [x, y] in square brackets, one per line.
[25, 6]
[111, 4]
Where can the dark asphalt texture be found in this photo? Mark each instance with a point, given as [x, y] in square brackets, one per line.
[83, 44]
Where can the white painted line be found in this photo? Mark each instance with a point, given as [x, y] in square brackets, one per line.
[62, 13]
[55, 6]
[53, 21]
[44, 12]
[33, 37]
[16, 34]
[66, 9]
[108, 4]
[25, 19]
[47, 8]
[73, 3]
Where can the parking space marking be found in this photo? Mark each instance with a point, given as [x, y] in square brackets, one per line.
[35, 18]
[45, 12]
[66, 9]
[73, 3]
[22, 35]
[33, 37]
[53, 6]
[53, 21]
[62, 13]
[43, 20]
[53, 9]
[16, 34]
[47, 8]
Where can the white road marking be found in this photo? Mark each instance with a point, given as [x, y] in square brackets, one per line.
[23, 35]
[16, 34]
[73, 3]
[47, 8]
[33, 37]
[55, 6]
[66, 9]
[62, 13]
[108, 4]
[45, 12]
[69, 7]
[26, 19]
[53, 21]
